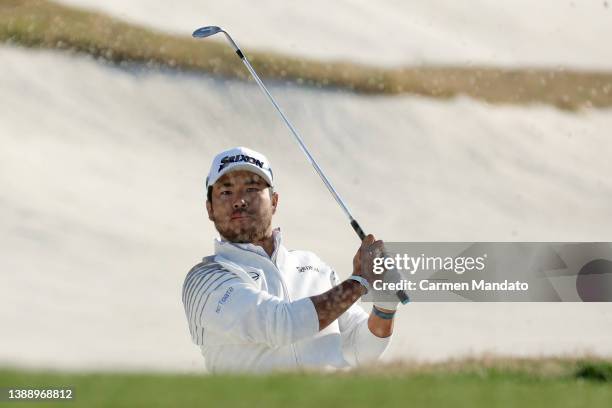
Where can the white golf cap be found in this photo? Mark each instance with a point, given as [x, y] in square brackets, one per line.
[239, 158]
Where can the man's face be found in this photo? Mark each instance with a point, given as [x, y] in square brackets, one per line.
[241, 207]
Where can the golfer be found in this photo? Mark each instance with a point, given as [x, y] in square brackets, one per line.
[255, 306]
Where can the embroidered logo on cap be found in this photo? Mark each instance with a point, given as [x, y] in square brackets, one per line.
[227, 160]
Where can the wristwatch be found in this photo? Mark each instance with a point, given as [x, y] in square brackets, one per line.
[361, 281]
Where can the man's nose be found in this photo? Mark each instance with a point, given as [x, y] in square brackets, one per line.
[240, 203]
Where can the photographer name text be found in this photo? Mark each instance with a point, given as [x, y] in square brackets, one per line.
[433, 285]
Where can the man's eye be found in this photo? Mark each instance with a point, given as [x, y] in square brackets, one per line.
[252, 190]
[225, 192]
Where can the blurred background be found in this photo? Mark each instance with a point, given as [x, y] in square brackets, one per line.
[436, 121]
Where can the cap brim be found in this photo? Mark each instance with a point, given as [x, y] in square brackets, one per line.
[242, 166]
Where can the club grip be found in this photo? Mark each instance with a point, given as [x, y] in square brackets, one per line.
[402, 296]
[358, 230]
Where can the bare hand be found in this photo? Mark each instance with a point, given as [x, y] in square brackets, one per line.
[363, 261]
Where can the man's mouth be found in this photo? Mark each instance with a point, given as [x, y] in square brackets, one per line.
[239, 216]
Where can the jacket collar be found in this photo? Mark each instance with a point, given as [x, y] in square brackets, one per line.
[231, 250]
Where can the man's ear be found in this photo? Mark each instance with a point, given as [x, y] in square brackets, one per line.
[274, 202]
[209, 209]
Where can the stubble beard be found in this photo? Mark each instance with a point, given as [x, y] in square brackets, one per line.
[244, 234]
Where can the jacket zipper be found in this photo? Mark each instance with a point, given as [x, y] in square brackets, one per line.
[280, 275]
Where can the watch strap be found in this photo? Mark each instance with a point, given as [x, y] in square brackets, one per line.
[361, 281]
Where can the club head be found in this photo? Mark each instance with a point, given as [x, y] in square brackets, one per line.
[204, 32]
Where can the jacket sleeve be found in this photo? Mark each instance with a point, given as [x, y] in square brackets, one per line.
[218, 300]
[359, 345]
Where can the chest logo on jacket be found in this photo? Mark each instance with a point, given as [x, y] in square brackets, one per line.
[302, 269]
[254, 275]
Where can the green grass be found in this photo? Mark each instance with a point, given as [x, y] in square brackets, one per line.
[44, 24]
[473, 384]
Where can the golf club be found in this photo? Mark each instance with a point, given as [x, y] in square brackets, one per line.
[204, 32]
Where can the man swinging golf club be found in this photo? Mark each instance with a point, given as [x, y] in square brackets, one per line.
[255, 306]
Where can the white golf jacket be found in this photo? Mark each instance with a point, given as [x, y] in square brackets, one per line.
[250, 312]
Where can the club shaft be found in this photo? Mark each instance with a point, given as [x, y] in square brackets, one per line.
[296, 135]
[401, 295]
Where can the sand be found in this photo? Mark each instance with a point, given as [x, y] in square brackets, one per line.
[102, 193]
